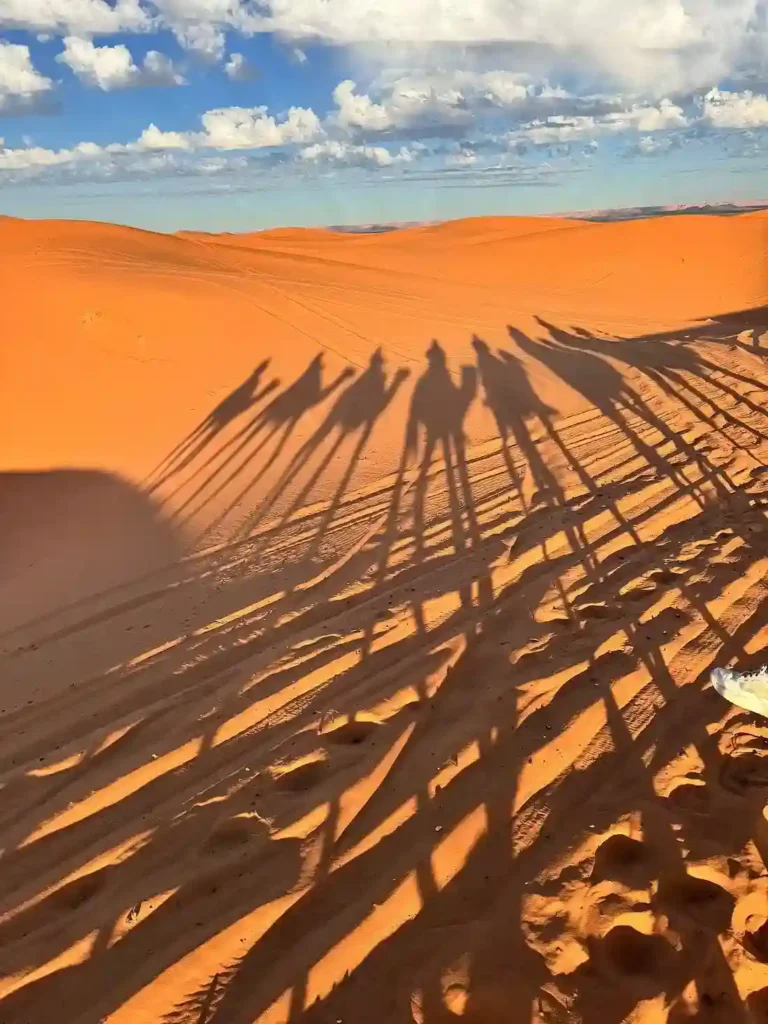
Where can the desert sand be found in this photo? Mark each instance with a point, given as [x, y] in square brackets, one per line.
[358, 599]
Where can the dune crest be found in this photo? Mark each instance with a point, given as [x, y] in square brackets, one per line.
[359, 599]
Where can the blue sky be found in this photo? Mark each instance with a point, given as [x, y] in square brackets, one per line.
[236, 115]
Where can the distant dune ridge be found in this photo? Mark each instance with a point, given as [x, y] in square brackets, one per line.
[359, 594]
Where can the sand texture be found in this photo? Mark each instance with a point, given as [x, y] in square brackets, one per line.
[358, 598]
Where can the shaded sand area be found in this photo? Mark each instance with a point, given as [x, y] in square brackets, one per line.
[358, 596]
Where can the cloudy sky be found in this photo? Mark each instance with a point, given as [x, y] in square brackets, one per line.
[239, 114]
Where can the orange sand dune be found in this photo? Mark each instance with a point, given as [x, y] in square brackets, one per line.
[408, 249]
[358, 597]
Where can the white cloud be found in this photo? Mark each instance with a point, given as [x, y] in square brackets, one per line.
[650, 146]
[464, 158]
[112, 67]
[230, 128]
[153, 138]
[203, 38]
[654, 45]
[358, 110]
[345, 154]
[200, 25]
[35, 157]
[158, 69]
[75, 17]
[240, 69]
[735, 109]
[502, 88]
[172, 153]
[254, 128]
[117, 161]
[649, 46]
[559, 128]
[665, 116]
[555, 129]
[452, 101]
[18, 76]
[652, 23]
[201, 11]
[413, 100]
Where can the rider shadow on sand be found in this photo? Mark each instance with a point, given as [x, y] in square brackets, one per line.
[277, 419]
[439, 407]
[521, 413]
[606, 388]
[512, 400]
[678, 371]
[237, 402]
[356, 411]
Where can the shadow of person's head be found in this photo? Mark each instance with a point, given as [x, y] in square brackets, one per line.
[436, 356]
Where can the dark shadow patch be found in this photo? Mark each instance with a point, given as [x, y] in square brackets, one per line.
[744, 773]
[352, 733]
[302, 778]
[703, 901]
[626, 860]
[690, 798]
[69, 534]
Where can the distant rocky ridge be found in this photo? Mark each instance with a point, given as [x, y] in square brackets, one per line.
[626, 213]
[639, 212]
[378, 229]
